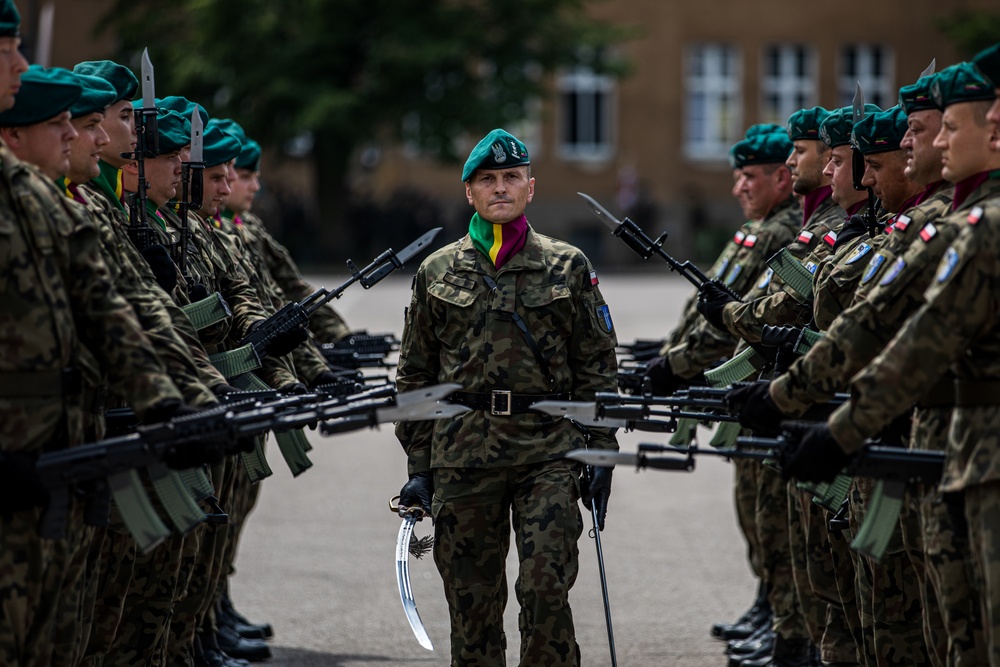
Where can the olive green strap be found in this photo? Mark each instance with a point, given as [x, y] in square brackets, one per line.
[793, 273]
[136, 510]
[685, 432]
[210, 310]
[170, 488]
[236, 362]
[881, 519]
[741, 367]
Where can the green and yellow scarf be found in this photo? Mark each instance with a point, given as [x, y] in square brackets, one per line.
[498, 242]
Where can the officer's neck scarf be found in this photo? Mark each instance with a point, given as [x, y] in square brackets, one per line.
[109, 182]
[498, 242]
[967, 186]
[812, 201]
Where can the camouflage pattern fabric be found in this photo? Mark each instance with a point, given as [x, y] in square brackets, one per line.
[836, 281]
[113, 552]
[746, 475]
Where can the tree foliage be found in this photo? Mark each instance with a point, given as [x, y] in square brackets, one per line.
[971, 31]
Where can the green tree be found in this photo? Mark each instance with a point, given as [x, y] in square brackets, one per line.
[349, 72]
[971, 31]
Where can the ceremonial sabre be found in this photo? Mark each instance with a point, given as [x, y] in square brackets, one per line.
[405, 544]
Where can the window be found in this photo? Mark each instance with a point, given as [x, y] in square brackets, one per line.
[585, 115]
[713, 114]
[873, 66]
[788, 81]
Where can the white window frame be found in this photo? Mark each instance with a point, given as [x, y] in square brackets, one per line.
[794, 90]
[719, 94]
[879, 88]
[594, 143]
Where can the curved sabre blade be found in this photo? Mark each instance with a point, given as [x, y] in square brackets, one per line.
[403, 580]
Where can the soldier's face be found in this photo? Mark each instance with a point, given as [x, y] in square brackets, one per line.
[119, 123]
[47, 145]
[12, 63]
[964, 141]
[738, 193]
[838, 170]
[500, 195]
[923, 159]
[806, 162]
[244, 188]
[993, 115]
[884, 175]
[85, 150]
[759, 185]
[216, 188]
[164, 175]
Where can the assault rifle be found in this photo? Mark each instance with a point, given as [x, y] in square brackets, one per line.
[641, 349]
[858, 165]
[295, 315]
[147, 146]
[192, 189]
[634, 413]
[205, 437]
[645, 247]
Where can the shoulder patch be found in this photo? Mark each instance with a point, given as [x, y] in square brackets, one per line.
[738, 239]
[975, 215]
[947, 265]
[722, 269]
[750, 241]
[874, 264]
[593, 278]
[894, 272]
[928, 232]
[604, 318]
[805, 237]
[830, 238]
[811, 267]
[733, 274]
[859, 252]
[902, 222]
[765, 279]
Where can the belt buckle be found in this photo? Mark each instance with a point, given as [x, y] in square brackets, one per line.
[504, 396]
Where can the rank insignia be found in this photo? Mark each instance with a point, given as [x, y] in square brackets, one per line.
[947, 266]
[860, 252]
[766, 279]
[975, 215]
[928, 232]
[604, 318]
[733, 274]
[874, 265]
[896, 269]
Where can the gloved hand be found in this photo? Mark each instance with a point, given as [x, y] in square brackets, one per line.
[598, 491]
[662, 380]
[852, 229]
[224, 388]
[711, 300]
[897, 432]
[816, 458]
[163, 266]
[293, 388]
[167, 409]
[194, 454]
[418, 491]
[752, 404]
[326, 377]
[284, 342]
[198, 293]
[21, 488]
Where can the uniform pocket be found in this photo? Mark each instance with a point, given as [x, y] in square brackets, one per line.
[451, 301]
[548, 312]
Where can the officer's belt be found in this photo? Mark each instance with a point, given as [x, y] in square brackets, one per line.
[501, 402]
[64, 382]
[976, 393]
[941, 395]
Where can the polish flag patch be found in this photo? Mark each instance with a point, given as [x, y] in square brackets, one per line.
[750, 241]
[593, 278]
[830, 238]
[805, 237]
[975, 215]
[738, 239]
[928, 232]
[902, 222]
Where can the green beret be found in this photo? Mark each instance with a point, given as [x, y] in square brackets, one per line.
[761, 128]
[230, 126]
[988, 62]
[10, 20]
[961, 83]
[119, 76]
[220, 146]
[174, 130]
[880, 132]
[183, 106]
[97, 95]
[249, 157]
[804, 123]
[770, 148]
[917, 96]
[835, 130]
[497, 150]
[44, 94]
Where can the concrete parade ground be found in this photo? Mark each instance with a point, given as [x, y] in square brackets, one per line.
[317, 557]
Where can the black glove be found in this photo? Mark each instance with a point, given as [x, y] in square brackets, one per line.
[662, 380]
[162, 265]
[816, 458]
[597, 491]
[223, 389]
[198, 293]
[711, 300]
[194, 454]
[897, 432]
[756, 411]
[326, 377]
[293, 388]
[852, 229]
[284, 342]
[167, 409]
[418, 491]
[21, 488]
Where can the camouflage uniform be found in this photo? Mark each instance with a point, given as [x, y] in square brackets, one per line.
[58, 298]
[458, 329]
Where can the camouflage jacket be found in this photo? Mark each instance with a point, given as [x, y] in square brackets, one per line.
[56, 296]
[862, 330]
[705, 344]
[957, 327]
[460, 330]
[837, 279]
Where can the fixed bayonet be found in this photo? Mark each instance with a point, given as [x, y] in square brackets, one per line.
[929, 70]
[608, 458]
[858, 104]
[601, 212]
[858, 164]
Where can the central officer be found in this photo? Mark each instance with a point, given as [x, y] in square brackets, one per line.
[515, 317]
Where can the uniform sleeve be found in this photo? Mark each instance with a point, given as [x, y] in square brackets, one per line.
[419, 359]
[747, 320]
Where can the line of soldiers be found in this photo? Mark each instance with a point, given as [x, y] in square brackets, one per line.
[876, 229]
[90, 321]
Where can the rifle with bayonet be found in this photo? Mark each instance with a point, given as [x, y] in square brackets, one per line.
[295, 315]
[192, 189]
[858, 165]
[147, 146]
[645, 247]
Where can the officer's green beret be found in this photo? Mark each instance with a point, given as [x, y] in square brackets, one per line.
[98, 94]
[10, 19]
[119, 76]
[497, 150]
[174, 130]
[761, 128]
[772, 148]
[220, 146]
[44, 94]
[961, 83]
[880, 132]
[804, 123]
[917, 96]
[230, 126]
[183, 106]
[988, 62]
[835, 130]
[249, 157]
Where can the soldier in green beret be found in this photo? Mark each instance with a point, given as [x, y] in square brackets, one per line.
[514, 317]
[988, 63]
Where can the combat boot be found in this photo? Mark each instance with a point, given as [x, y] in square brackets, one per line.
[758, 614]
[240, 622]
[762, 655]
[232, 644]
[763, 635]
[787, 653]
[211, 656]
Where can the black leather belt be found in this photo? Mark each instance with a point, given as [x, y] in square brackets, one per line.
[977, 393]
[501, 402]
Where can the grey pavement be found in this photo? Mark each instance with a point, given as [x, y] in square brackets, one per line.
[317, 558]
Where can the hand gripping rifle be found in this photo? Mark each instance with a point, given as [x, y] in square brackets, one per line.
[645, 247]
[147, 146]
[295, 315]
[192, 189]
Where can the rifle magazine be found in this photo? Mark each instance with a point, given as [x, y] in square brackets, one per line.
[173, 493]
[293, 446]
[136, 510]
[881, 519]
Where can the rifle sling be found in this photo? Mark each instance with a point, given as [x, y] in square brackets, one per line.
[236, 362]
[543, 361]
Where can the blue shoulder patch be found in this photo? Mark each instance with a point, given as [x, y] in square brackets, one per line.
[733, 274]
[604, 318]
[874, 265]
[947, 265]
[766, 279]
[722, 270]
[860, 252]
[894, 271]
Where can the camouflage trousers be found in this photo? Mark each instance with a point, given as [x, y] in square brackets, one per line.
[771, 519]
[745, 482]
[79, 588]
[245, 495]
[474, 510]
[982, 511]
[112, 554]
